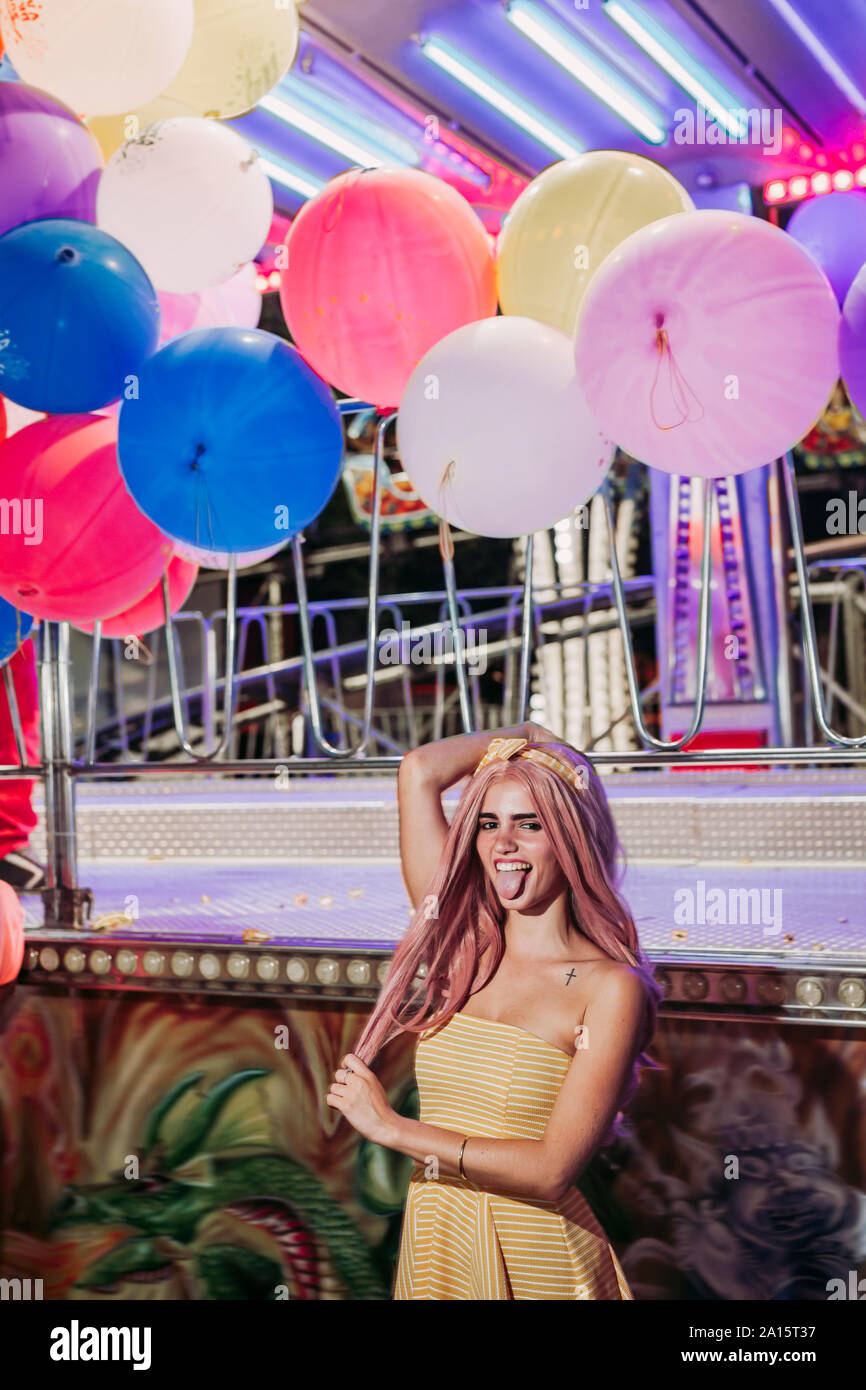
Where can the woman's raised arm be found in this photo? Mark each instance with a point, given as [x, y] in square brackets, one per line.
[425, 773]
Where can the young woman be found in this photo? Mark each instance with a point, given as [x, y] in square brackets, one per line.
[522, 973]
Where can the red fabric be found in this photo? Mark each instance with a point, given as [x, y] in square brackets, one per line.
[17, 817]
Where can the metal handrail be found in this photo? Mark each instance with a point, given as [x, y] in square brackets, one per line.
[809, 637]
[229, 692]
[316, 723]
[704, 605]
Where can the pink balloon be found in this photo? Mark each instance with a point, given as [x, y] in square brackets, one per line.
[708, 343]
[149, 613]
[77, 547]
[236, 303]
[382, 264]
[11, 934]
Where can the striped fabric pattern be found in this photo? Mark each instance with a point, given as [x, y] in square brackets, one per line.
[484, 1078]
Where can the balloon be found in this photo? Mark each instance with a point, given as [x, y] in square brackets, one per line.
[567, 220]
[99, 56]
[507, 444]
[149, 613]
[833, 231]
[15, 628]
[239, 52]
[17, 418]
[190, 199]
[237, 302]
[78, 317]
[11, 934]
[221, 559]
[231, 441]
[79, 547]
[852, 341]
[381, 265]
[49, 162]
[708, 343]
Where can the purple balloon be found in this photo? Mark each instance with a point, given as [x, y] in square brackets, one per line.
[852, 341]
[832, 228]
[49, 162]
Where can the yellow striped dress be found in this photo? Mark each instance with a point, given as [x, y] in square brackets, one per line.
[491, 1079]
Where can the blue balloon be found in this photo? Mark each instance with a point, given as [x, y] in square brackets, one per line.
[15, 628]
[233, 443]
[78, 317]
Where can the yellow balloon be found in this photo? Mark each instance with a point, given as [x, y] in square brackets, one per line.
[239, 51]
[567, 220]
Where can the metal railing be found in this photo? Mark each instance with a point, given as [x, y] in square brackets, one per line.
[66, 903]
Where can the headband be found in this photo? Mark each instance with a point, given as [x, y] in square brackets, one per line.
[501, 749]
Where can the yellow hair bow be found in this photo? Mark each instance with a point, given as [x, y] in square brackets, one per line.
[501, 749]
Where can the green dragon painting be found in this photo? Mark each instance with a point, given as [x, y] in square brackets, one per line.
[294, 1239]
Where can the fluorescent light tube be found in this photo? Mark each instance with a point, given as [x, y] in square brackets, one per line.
[294, 115]
[688, 74]
[503, 99]
[822, 55]
[556, 41]
[298, 180]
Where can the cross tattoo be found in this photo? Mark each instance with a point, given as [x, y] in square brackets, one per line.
[572, 975]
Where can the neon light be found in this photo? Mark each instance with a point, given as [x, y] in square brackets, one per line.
[291, 113]
[821, 183]
[341, 117]
[298, 180]
[843, 179]
[775, 191]
[561, 46]
[503, 99]
[799, 186]
[691, 76]
[822, 55]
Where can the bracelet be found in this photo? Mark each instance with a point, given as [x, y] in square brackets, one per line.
[460, 1160]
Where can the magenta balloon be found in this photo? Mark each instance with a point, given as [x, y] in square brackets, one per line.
[49, 162]
[852, 341]
[708, 343]
[832, 228]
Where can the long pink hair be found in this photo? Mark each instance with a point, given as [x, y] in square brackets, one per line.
[461, 918]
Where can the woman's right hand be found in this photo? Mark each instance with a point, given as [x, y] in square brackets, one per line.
[536, 733]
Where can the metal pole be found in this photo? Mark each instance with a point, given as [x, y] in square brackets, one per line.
[66, 904]
[704, 606]
[810, 640]
[312, 690]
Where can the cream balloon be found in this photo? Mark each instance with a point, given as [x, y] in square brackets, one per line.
[568, 220]
[494, 431]
[239, 51]
[189, 199]
[220, 559]
[98, 56]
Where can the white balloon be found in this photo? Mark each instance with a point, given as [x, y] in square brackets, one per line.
[189, 199]
[494, 431]
[220, 559]
[99, 56]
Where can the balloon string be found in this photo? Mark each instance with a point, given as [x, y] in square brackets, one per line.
[446, 541]
[678, 387]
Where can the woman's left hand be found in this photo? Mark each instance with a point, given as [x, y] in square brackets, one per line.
[360, 1096]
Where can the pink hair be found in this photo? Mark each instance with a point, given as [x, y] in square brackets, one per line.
[447, 943]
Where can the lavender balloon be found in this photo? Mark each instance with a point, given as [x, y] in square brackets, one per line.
[852, 341]
[49, 162]
[832, 228]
